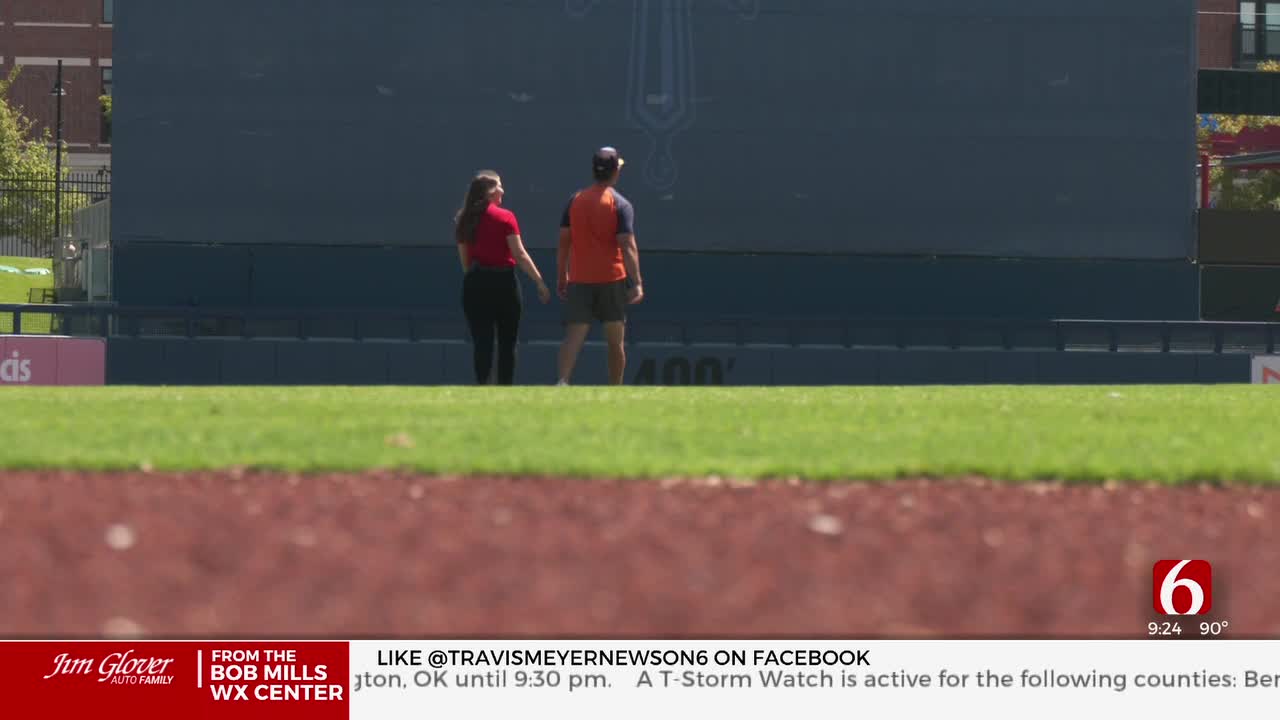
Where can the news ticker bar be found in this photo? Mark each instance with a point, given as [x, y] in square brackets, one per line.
[562, 679]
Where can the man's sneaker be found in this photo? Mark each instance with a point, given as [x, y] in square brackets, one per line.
[562, 383]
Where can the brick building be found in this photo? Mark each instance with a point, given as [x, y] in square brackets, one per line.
[36, 34]
[1218, 20]
[1238, 34]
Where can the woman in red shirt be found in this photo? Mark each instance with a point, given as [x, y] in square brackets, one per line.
[490, 248]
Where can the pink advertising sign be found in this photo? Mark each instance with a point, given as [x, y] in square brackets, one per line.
[33, 360]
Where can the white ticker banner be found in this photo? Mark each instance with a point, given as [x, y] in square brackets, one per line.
[1183, 670]
[1159, 678]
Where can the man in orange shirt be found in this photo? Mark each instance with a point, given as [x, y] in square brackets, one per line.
[598, 266]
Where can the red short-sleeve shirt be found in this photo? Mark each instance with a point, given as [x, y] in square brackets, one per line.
[490, 248]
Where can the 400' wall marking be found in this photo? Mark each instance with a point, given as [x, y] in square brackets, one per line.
[707, 370]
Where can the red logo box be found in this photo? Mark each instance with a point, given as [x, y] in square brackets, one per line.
[163, 681]
[1182, 587]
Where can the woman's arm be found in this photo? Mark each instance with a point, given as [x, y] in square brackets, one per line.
[527, 265]
[464, 255]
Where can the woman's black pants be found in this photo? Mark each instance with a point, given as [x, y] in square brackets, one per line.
[492, 302]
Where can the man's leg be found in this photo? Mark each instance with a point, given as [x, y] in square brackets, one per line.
[577, 325]
[615, 334]
[575, 334]
[612, 311]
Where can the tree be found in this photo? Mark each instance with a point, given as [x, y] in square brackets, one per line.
[1241, 189]
[106, 113]
[27, 172]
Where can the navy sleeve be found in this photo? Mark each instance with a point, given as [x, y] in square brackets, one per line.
[626, 217]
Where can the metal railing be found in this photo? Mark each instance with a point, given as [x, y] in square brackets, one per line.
[109, 320]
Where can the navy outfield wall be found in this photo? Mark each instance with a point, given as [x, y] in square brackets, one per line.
[218, 361]
[846, 144]
[767, 286]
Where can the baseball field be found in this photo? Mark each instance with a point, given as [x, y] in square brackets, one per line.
[15, 287]
[872, 512]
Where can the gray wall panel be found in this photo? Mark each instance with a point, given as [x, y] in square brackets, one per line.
[324, 362]
[134, 362]
[806, 367]
[1074, 368]
[162, 275]
[1012, 368]
[925, 367]
[415, 364]
[1229, 369]
[187, 362]
[246, 362]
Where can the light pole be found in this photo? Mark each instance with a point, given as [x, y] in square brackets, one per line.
[59, 91]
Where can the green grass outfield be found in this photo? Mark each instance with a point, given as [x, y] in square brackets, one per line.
[15, 289]
[1168, 434]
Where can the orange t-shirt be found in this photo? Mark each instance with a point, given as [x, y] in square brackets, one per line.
[595, 218]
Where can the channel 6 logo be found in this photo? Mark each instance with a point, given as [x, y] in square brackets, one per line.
[1182, 587]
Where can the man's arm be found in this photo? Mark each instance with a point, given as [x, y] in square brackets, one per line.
[562, 254]
[562, 263]
[630, 251]
[631, 259]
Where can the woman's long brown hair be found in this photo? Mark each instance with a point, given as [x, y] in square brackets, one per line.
[474, 206]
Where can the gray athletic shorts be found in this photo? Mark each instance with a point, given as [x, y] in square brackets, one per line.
[603, 302]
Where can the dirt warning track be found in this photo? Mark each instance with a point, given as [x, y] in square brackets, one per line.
[383, 555]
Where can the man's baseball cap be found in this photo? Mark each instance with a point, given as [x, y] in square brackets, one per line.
[606, 159]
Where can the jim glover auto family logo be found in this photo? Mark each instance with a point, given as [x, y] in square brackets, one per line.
[116, 669]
